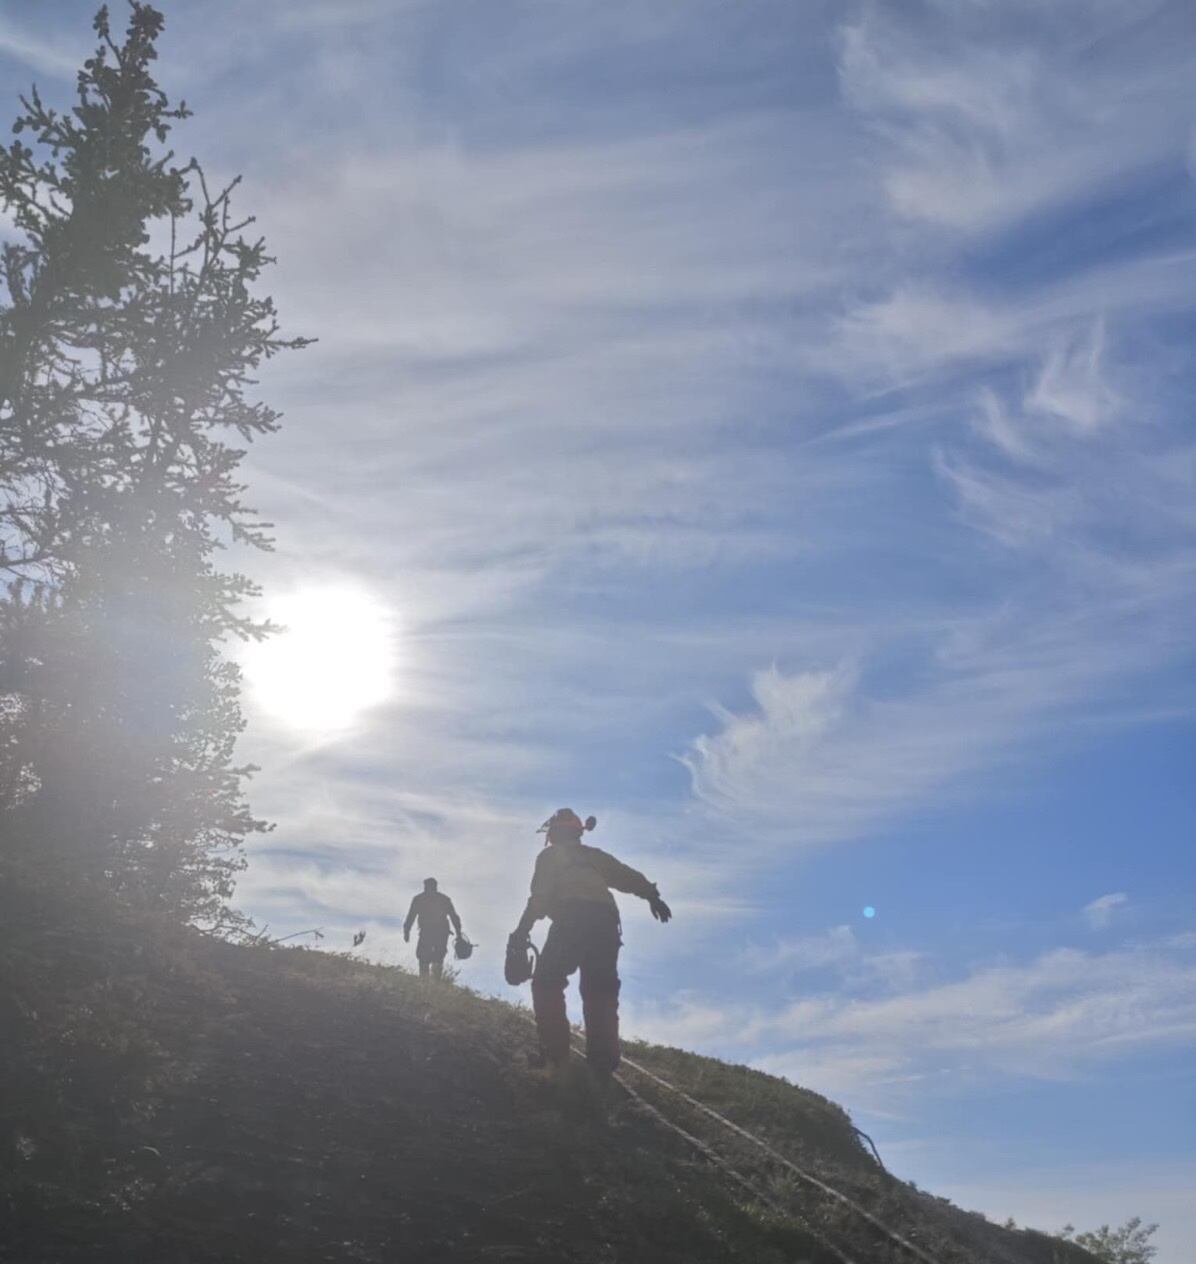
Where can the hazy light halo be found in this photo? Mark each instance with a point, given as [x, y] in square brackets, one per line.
[333, 661]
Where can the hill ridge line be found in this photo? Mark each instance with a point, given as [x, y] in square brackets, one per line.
[778, 1157]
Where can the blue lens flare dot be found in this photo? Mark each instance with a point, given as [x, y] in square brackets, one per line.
[869, 911]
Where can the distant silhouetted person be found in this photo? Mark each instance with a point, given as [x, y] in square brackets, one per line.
[572, 886]
[433, 911]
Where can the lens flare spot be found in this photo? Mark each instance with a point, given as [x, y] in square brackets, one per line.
[869, 911]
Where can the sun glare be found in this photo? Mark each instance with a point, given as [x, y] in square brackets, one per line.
[334, 661]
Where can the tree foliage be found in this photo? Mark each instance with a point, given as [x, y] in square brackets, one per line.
[130, 331]
[1128, 1244]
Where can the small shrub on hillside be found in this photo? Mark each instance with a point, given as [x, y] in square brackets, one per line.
[1128, 1244]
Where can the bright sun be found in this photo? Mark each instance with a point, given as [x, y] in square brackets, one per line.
[334, 661]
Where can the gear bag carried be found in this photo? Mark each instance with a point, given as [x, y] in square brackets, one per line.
[521, 960]
[462, 948]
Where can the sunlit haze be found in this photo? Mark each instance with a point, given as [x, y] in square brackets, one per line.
[332, 662]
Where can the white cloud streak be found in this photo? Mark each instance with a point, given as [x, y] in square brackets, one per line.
[839, 951]
[1100, 912]
[982, 129]
[38, 54]
[1057, 1016]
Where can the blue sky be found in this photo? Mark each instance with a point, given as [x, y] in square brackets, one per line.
[769, 428]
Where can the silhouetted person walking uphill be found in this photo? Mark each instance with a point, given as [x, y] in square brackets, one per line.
[433, 910]
[572, 886]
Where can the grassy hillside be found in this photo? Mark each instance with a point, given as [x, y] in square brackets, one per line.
[171, 1098]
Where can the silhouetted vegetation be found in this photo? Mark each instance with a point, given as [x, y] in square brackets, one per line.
[129, 334]
[1127, 1244]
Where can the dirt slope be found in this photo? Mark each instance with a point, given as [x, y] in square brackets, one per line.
[170, 1098]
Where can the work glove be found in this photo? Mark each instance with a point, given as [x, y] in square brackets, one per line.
[660, 910]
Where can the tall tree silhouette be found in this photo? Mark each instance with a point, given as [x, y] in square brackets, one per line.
[129, 333]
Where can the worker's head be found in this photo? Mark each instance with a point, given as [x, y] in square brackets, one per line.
[429, 884]
[565, 826]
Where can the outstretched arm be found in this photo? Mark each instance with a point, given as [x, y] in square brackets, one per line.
[621, 877]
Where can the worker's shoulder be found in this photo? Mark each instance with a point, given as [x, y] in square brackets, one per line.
[546, 863]
[599, 857]
[566, 855]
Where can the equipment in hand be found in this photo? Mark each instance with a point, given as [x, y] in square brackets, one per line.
[462, 948]
[520, 964]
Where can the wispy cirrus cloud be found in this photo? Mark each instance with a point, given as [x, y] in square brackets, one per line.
[573, 379]
[874, 1034]
[983, 122]
[38, 54]
[838, 951]
[823, 756]
[927, 332]
[1061, 456]
[1100, 912]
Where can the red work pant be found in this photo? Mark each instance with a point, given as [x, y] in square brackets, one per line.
[584, 936]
